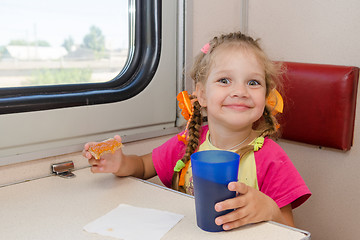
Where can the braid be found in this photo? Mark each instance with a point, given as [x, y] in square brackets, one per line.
[244, 150]
[268, 129]
[233, 37]
[193, 142]
[270, 124]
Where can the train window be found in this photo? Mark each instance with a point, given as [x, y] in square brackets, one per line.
[62, 42]
[127, 86]
[112, 71]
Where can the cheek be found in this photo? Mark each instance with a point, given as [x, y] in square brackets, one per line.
[260, 102]
[211, 98]
[261, 110]
[206, 97]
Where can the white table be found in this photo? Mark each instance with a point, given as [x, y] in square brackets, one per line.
[58, 208]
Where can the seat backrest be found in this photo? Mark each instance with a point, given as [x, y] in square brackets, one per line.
[319, 104]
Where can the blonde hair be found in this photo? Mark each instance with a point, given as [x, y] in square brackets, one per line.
[266, 125]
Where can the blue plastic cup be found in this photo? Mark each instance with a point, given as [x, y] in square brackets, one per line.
[212, 171]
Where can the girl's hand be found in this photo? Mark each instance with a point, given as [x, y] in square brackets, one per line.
[250, 206]
[108, 163]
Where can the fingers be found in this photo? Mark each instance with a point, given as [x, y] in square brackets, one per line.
[236, 218]
[107, 163]
[233, 203]
[98, 165]
[250, 206]
[97, 168]
[239, 216]
[85, 152]
[233, 219]
[239, 187]
[95, 164]
[230, 204]
[117, 137]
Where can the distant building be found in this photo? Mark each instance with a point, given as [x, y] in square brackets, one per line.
[35, 52]
[80, 54]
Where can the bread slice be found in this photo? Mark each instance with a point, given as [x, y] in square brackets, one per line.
[107, 146]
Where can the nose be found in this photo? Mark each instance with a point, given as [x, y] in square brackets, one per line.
[239, 90]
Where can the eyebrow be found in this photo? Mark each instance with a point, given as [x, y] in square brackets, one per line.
[226, 72]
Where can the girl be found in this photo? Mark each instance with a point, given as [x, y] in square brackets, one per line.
[233, 78]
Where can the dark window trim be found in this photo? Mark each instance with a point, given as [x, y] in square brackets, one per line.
[136, 75]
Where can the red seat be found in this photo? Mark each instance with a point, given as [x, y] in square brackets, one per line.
[319, 104]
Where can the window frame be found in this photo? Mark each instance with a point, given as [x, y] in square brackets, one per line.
[140, 67]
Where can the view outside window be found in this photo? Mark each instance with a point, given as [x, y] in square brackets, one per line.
[62, 42]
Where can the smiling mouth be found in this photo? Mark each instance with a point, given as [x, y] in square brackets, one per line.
[238, 107]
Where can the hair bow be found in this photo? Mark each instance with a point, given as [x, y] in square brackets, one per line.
[186, 111]
[205, 48]
[185, 104]
[275, 101]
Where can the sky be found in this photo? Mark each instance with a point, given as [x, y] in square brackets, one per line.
[54, 21]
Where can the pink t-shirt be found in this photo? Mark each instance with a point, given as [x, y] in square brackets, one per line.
[277, 176]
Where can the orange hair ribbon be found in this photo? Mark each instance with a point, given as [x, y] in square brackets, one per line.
[187, 112]
[275, 101]
[185, 104]
[183, 173]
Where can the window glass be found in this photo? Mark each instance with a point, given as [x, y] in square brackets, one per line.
[62, 42]
[43, 121]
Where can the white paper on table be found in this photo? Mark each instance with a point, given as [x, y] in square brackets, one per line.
[134, 223]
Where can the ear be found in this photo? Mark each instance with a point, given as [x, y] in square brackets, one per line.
[200, 93]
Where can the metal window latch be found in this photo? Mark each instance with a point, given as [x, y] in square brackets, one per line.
[63, 169]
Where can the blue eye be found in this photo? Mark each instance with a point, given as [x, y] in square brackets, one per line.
[224, 81]
[253, 82]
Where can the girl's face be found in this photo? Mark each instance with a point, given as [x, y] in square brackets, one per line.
[234, 93]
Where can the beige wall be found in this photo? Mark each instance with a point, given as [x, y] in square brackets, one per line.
[327, 32]
[205, 19]
[211, 17]
[309, 31]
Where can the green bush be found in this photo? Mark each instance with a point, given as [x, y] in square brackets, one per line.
[60, 76]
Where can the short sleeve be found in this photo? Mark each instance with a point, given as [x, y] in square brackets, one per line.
[165, 156]
[277, 176]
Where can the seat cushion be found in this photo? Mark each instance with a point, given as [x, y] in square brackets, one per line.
[319, 104]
